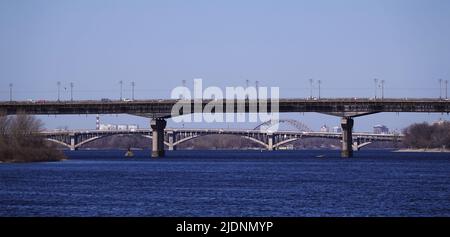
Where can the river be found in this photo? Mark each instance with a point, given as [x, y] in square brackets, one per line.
[229, 183]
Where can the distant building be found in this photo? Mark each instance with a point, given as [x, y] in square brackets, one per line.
[122, 127]
[133, 127]
[380, 129]
[107, 127]
[337, 129]
[324, 128]
[439, 122]
[286, 147]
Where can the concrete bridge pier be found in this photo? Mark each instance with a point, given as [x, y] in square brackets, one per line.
[347, 141]
[270, 141]
[158, 126]
[72, 142]
[171, 136]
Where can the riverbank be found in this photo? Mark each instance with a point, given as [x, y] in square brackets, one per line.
[423, 150]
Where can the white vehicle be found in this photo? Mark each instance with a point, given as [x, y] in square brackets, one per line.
[127, 100]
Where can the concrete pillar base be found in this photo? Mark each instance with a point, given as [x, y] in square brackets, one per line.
[158, 126]
[347, 140]
[158, 153]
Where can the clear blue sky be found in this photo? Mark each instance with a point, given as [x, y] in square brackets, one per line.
[157, 44]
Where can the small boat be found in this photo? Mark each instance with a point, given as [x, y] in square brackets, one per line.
[320, 156]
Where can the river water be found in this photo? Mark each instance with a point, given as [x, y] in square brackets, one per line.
[229, 183]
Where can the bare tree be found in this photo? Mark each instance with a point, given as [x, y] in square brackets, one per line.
[20, 140]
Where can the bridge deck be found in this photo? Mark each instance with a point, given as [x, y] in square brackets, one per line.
[163, 108]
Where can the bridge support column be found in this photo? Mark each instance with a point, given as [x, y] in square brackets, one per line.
[158, 126]
[355, 146]
[270, 142]
[347, 141]
[72, 143]
[171, 140]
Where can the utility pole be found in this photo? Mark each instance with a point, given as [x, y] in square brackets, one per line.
[10, 92]
[440, 88]
[121, 84]
[71, 91]
[375, 80]
[319, 82]
[132, 90]
[382, 89]
[311, 88]
[59, 87]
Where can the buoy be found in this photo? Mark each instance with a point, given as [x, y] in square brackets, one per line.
[129, 153]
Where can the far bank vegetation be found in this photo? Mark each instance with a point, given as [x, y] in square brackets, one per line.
[19, 141]
[428, 136]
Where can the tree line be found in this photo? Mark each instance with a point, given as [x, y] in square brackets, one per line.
[424, 135]
[20, 142]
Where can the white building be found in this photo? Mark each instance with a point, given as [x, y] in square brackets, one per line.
[380, 129]
[107, 127]
[133, 127]
[337, 129]
[324, 128]
[122, 127]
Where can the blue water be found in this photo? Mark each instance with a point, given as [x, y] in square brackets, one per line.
[229, 183]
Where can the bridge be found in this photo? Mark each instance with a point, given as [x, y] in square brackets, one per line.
[174, 136]
[159, 110]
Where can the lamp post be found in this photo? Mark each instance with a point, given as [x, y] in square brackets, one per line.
[183, 83]
[319, 82]
[247, 82]
[440, 88]
[132, 90]
[121, 84]
[375, 80]
[382, 89]
[446, 89]
[10, 91]
[58, 84]
[71, 91]
[311, 88]
[257, 89]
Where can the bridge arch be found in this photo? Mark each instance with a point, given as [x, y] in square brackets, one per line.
[148, 136]
[292, 122]
[58, 142]
[201, 135]
[108, 135]
[285, 142]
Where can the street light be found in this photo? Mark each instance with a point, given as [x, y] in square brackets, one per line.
[440, 88]
[121, 84]
[257, 91]
[183, 83]
[10, 91]
[446, 89]
[382, 89]
[58, 83]
[311, 88]
[375, 80]
[71, 91]
[132, 90]
[247, 82]
[319, 82]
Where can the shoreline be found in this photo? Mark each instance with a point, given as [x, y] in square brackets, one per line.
[432, 150]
